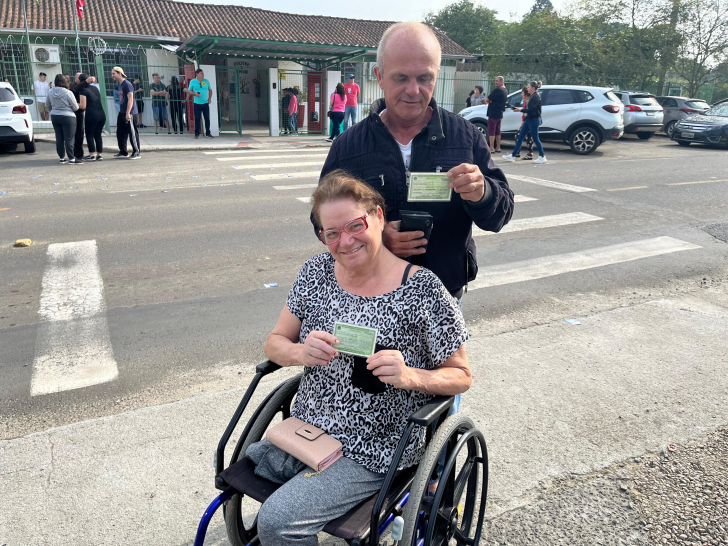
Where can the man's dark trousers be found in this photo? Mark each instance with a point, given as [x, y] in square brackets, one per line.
[202, 110]
[78, 137]
[127, 130]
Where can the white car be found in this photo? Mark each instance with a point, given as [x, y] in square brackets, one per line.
[581, 116]
[16, 125]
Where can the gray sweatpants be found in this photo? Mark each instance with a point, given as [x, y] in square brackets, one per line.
[302, 507]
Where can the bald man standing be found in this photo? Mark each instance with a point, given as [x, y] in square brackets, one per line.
[406, 132]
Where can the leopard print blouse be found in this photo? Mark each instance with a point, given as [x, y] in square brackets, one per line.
[420, 319]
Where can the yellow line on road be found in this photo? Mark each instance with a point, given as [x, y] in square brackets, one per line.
[632, 188]
[699, 182]
[6, 208]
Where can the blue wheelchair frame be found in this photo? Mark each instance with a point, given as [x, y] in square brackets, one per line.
[429, 416]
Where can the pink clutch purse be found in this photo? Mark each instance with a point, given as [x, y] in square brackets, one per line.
[310, 445]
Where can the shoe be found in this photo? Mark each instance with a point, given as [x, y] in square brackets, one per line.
[329, 139]
[209, 136]
[156, 132]
[509, 157]
[90, 158]
[135, 155]
[197, 136]
[541, 159]
[517, 155]
[64, 160]
[120, 156]
[99, 158]
[75, 161]
[528, 157]
[170, 132]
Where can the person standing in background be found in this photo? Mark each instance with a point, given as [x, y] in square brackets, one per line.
[94, 119]
[62, 105]
[478, 98]
[532, 110]
[176, 107]
[293, 110]
[159, 104]
[285, 116]
[338, 108]
[468, 101]
[126, 121]
[78, 139]
[41, 88]
[139, 98]
[352, 96]
[496, 106]
[201, 91]
[117, 98]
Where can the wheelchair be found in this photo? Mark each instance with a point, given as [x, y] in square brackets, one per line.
[454, 514]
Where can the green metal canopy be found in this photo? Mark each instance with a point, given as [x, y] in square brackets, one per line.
[314, 55]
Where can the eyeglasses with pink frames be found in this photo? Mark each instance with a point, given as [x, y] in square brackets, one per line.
[331, 236]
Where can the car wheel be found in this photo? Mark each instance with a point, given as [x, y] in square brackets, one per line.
[683, 142]
[482, 127]
[645, 135]
[670, 128]
[30, 146]
[584, 141]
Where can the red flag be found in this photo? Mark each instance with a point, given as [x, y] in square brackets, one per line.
[79, 8]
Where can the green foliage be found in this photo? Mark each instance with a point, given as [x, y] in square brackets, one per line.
[541, 5]
[469, 25]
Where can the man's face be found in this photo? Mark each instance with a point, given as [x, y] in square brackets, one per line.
[200, 76]
[116, 76]
[156, 79]
[351, 80]
[408, 76]
[499, 82]
[42, 78]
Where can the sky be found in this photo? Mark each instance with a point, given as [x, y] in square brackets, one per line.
[383, 10]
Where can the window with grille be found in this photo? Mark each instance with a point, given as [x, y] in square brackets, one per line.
[132, 61]
[15, 67]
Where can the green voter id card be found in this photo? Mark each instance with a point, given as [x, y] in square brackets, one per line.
[355, 340]
[429, 187]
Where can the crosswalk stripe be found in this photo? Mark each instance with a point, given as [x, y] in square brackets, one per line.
[320, 161]
[73, 347]
[295, 187]
[550, 184]
[319, 164]
[540, 222]
[300, 174]
[304, 199]
[547, 266]
[517, 198]
[278, 153]
[523, 198]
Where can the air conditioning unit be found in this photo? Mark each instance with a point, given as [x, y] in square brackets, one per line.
[46, 54]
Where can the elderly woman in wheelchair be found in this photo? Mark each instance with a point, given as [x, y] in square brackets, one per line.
[381, 407]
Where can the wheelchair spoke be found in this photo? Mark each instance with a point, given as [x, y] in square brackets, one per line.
[460, 538]
[462, 480]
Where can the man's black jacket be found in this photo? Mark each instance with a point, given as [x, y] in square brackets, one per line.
[369, 151]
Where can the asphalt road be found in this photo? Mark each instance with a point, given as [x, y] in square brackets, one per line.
[184, 243]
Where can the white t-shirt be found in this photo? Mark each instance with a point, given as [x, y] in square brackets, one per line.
[406, 149]
[41, 89]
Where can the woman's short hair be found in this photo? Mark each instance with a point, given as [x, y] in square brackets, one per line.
[479, 88]
[340, 184]
[60, 81]
[525, 90]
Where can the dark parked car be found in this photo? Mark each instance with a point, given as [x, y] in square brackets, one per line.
[709, 128]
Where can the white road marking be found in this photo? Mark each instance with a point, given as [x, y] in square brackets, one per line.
[550, 184]
[73, 348]
[276, 164]
[547, 266]
[523, 198]
[540, 222]
[280, 176]
[295, 187]
[517, 198]
[304, 199]
[319, 163]
[280, 153]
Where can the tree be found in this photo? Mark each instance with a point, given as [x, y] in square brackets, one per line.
[541, 5]
[470, 25]
[704, 27]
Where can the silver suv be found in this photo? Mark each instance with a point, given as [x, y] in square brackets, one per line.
[642, 113]
[677, 108]
[581, 116]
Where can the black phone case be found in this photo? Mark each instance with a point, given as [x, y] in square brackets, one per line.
[416, 221]
[364, 379]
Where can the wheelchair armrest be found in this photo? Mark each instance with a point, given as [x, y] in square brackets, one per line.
[267, 367]
[431, 411]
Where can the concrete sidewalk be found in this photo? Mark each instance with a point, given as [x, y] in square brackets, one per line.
[553, 400]
[149, 142]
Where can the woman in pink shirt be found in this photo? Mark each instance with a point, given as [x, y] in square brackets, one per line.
[338, 106]
[292, 111]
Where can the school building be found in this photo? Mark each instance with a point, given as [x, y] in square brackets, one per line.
[248, 54]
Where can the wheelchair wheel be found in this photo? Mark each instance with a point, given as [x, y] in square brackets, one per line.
[238, 533]
[462, 488]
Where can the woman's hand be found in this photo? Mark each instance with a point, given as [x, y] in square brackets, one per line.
[390, 368]
[317, 350]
